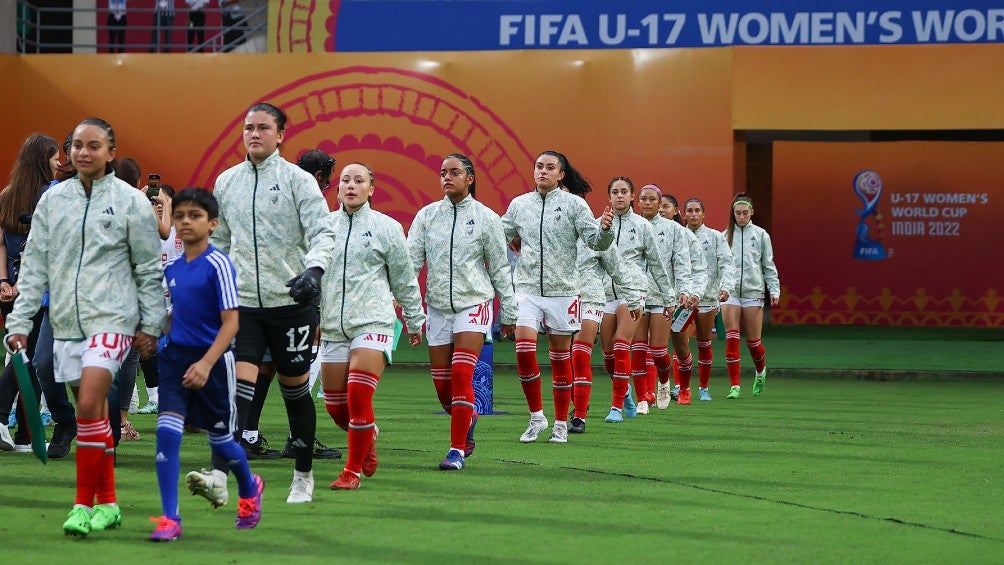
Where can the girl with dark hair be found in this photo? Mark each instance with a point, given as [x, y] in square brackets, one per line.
[104, 299]
[33, 170]
[549, 223]
[278, 283]
[721, 282]
[754, 262]
[624, 337]
[460, 241]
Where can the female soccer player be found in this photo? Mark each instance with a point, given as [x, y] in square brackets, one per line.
[549, 222]
[672, 240]
[634, 237]
[721, 281]
[669, 209]
[754, 264]
[461, 242]
[369, 269]
[94, 243]
[274, 226]
[593, 268]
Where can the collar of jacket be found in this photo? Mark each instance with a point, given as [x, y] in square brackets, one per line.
[96, 186]
[269, 161]
[543, 196]
[360, 212]
[627, 213]
[466, 200]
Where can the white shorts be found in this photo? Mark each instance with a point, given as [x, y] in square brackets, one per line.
[592, 311]
[557, 315]
[702, 309]
[440, 326]
[338, 351]
[655, 309]
[106, 351]
[744, 302]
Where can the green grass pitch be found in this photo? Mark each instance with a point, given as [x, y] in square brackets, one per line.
[814, 471]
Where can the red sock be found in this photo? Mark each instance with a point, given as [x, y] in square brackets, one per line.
[663, 364]
[441, 380]
[561, 382]
[529, 373]
[639, 372]
[608, 362]
[90, 453]
[106, 487]
[732, 356]
[361, 387]
[704, 357]
[758, 354]
[336, 402]
[463, 401]
[622, 372]
[676, 371]
[582, 377]
[685, 370]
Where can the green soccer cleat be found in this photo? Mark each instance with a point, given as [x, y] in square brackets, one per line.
[733, 393]
[106, 517]
[149, 408]
[78, 522]
[759, 382]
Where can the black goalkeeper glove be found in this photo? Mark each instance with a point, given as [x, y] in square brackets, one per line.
[306, 287]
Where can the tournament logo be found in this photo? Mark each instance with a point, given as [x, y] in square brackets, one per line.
[868, 243]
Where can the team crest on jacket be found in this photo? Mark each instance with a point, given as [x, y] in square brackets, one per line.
[470, 227]
[369, 236]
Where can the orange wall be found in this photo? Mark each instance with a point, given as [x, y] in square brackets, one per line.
[868, 87]
[657, 116]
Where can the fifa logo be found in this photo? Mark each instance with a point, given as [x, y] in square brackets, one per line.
[868, 245]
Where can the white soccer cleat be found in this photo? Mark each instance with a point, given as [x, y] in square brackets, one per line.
[533, 430]
[663, 396]
[642, 407]
[302, 489]
[211, 485]
[559, 433]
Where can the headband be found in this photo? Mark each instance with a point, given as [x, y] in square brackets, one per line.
[742, 201]
[652, 187]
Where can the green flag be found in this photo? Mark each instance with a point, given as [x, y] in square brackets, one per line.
[30, 405]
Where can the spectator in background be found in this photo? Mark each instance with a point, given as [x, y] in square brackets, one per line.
[196, 23]
[116, 26]
[234, 25]
[163, 20]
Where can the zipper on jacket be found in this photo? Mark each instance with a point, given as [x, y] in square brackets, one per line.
[80, 262]
[543, 206]
[345, 268]
[452, 230]
[254, 234]
[742, 259]
[620, 224]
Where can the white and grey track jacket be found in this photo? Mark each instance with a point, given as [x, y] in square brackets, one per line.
[718, 259]
[754, 262]
[369, 269]
[634, 236]
[674, 248]
[549, 226]
[99, 255]
[594, 266]
[465, 250]
[274, 224]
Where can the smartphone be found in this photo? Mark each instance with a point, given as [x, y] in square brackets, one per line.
[152, 186]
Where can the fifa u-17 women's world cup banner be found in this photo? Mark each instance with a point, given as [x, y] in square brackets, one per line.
[416, 25]
[897, 233]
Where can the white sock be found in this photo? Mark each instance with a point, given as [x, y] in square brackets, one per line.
[152, 395]
[250, 435]
[538, 415]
